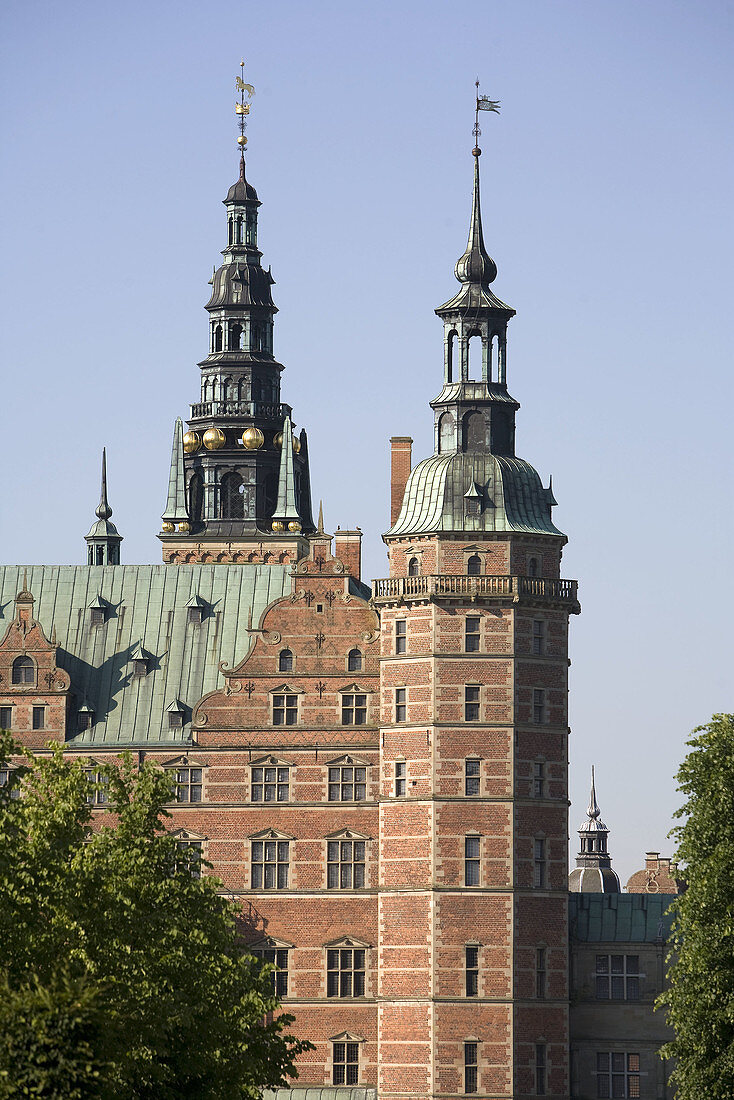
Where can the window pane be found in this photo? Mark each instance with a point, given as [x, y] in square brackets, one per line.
[471, 847]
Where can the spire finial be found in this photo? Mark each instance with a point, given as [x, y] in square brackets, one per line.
[103, 508]
[321, 517]
[476, 265]
[483, 103]
[242, 110]
[593, 810]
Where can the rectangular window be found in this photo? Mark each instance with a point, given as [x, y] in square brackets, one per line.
[472, 777]
[190, 854]
[189, 783]
[345, 970]
[471, 860]
[538, 779]
[401, 635]
[471, 634]
[472, 970]
[277, 957]
[6, 776]
[96, 616]
[354, 709]
[345, 864]
[270, 859]
[346, 1063]
[6, 718]
[400, 704]
[539, 875]
[285, 710]
[540, 973]
[39, 718]
[538, 705]
[540, 1069]
[347, 783]
[99, 781]
[400, 778]
[538, 636]
[471, 1067]
[270, 784]
[617, 977]
[617, 1074]
[471, 703]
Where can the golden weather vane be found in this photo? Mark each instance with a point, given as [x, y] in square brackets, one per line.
[242, 108]
[484, 103]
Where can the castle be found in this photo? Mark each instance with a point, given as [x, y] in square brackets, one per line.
[377, 773]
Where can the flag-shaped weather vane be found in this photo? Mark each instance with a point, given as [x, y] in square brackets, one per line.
[242, 108]
[484, 103]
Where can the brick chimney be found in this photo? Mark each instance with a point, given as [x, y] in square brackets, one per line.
[400, 455]
[348, 549]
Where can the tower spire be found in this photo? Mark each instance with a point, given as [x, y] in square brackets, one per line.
[593, 873]
[103, 540]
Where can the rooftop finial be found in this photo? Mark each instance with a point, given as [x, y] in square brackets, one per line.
[483, 103]
[321, 518]
[103, 508]
[593, 810]
[476, 265]
[242, 110]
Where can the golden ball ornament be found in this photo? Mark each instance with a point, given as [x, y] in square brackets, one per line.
[296, 444]
[184, 528]
[278, 525]
[278, 440]
[294, 526]
[252, 439]
[242, 141]
[214, 439]
[191, 442]
[168, 528]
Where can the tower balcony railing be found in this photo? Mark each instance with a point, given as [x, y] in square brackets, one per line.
[263, 409]
[448, 585]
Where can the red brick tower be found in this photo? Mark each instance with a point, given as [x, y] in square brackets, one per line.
[473, 954]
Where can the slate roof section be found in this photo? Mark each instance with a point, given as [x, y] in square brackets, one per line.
[513, 497]
[147, 606]
[619, 918]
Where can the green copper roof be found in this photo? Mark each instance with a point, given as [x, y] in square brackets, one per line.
[146, 606]
[285, 507]
[176, 504]
[619, 918]
[513, 498]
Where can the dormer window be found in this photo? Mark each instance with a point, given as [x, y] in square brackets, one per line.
[97, 612]
[139, 663]
[84, 718]
[176, 714]
[195, 611]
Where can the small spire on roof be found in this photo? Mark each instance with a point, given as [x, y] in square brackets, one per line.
[321, 518]
[103, 508]
[593, 810]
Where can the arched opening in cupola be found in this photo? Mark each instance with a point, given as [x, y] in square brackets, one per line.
[235, 336]
[474, 357]
[232, 496]
[218, 338]
[196, 497]
[446, 433]
[451, 345]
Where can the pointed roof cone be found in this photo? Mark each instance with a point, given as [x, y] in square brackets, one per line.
[320, 528]
[593, 873]
[103, 529]
[103, 508]
[176, 511]
[286, 509]
[476, 265]
[593, 810]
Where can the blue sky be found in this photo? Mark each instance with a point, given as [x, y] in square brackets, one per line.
[607, 184]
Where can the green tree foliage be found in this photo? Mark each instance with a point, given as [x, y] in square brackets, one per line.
[700, 999]
[122, 963]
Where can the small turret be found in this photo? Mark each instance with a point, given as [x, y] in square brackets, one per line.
[103, 540]
[593, 873]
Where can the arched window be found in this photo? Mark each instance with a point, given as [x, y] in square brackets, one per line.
[225, 393]
[100, 555]
[474, 565]
[446, 433]
[354, 660]
[285, 661]
[532, 567]
[475, 432]
[196, 498]
[413, 567]
[230, 225]
[474, 357]
[239, 229]
[254, 337]
[452, 338]
[231, 496]
[24, 671]
[218, 338]
[235, 336]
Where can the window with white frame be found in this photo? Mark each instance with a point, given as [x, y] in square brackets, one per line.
[345, 971]
[617, 1074]
[189, 782]
[617, 977]
[347, 781]
[345, 864]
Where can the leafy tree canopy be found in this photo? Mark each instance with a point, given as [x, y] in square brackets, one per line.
[700, 999]
[123, 974]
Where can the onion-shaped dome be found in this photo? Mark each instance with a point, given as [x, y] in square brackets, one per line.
[242, 191]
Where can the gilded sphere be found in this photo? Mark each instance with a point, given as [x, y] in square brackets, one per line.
[168, 528]
[214, 439]
[296, 444]
[252, 439]
[294, 525]
[242, 140]
[184, 528]
[191, 442]
[278, 525]
[278, 440]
